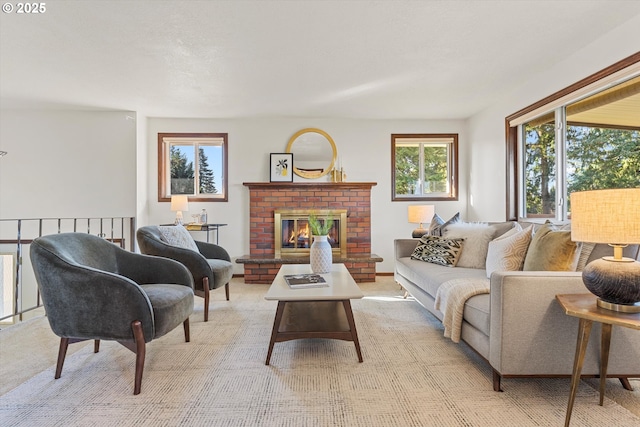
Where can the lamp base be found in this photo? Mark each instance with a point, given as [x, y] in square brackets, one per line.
[617, 284]
[179, 219]
[419, 232]
[621, 308]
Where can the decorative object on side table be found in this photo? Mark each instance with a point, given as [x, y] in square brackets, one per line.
[420, 214]
[281, 167]
[613, 217]
[179, 203]
[320, 253]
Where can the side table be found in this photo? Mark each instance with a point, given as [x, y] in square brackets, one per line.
[207, 228]
[203, 227]
[583, 306]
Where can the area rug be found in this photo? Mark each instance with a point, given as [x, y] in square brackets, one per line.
[411, 376]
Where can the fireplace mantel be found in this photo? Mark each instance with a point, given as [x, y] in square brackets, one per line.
[308, 185]
[261, 264]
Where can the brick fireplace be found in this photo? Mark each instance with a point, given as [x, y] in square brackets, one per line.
[261, 264]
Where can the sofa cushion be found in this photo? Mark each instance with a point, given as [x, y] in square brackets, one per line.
[177, 235]
[437, 226]
[476, 241]
[507, 252]
[552, 250]
[503, 227]
[429, 277]
[438, 250]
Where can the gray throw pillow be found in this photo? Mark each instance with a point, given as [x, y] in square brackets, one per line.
[177, 235]
[437, 226]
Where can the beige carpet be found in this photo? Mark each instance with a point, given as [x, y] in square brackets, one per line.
[411, 376]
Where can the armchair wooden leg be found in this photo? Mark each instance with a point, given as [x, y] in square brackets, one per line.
[226, 291]
[96, 346]
[140, 354]
[205, 286]
[62, 353]
[187, 336]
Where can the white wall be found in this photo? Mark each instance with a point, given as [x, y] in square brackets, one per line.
[487, 183]
[67, 164]
[62, 164]
[364, 147]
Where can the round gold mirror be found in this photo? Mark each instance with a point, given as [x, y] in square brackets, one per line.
[314, 153]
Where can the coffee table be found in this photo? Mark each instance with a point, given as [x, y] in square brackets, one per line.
[321, 312]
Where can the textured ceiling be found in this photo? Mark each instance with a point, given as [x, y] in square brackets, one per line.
[359, 59]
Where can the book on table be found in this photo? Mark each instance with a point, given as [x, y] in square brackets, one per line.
[298, 281]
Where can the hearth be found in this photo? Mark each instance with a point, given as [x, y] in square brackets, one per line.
[293, 237]
[261, 263]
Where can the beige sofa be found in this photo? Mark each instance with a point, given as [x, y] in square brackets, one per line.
[519, 327]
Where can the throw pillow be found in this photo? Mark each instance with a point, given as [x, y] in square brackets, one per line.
[177, 235]
[507, 252]
[585, 253]
[438, 250]
[437, 226]
[552, 250]
[476, 242]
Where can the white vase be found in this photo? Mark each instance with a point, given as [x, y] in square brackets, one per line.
[320, 255]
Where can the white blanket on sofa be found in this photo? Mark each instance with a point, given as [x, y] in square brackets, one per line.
[450, 299]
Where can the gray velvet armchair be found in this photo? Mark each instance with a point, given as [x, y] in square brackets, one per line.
[93, 290]
[210, 265]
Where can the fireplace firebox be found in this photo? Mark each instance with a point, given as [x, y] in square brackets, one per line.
[293, 236]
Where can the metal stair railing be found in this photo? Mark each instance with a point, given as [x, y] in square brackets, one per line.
[15, 234]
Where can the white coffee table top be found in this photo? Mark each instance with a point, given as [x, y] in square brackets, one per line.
[341, 285]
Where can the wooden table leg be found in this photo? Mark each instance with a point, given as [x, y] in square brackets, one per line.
[584, 329]
[276, 327]
[604, 357]
[352, 326]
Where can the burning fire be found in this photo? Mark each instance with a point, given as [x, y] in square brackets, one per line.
[303, 233]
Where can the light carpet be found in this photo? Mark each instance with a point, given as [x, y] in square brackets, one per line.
[411, 376]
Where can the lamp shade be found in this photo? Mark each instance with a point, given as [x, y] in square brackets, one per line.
[421, 214]
[606, 216]
[180, 203]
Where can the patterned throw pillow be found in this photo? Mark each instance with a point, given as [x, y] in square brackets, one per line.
[438, 250]
[177, 235]
[507, 252]
[437, 226]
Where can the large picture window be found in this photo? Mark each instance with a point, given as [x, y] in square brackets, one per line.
[424, 166]
[585, 137]
[194, 164]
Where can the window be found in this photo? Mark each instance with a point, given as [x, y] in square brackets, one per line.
[593, 157]
[194, 164]
[424, 166]
[585, 137]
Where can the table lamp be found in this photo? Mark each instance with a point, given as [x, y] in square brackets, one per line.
[420, 214]
[613, 217]
[179, 204]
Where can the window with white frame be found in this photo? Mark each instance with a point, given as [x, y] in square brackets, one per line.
[424, 166]
[588, 139]
[194, 164]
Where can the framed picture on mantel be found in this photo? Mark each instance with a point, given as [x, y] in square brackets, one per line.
[281, 167]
